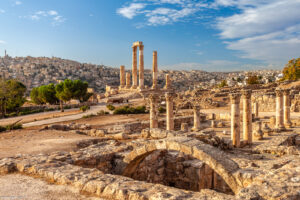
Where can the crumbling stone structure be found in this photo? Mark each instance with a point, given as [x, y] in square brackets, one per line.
[235, 119]
[170, 113]
[154, 70]
[247, 116]
[279, 110]
[287, 108]
[196, 110]
[122, 76]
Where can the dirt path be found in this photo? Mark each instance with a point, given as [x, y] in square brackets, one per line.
[38, 116]
[20, 187]
[93, 110]
[30, 141]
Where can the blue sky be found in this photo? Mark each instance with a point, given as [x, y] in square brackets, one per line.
[211, 35]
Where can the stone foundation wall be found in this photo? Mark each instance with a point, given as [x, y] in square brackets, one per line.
[267, 102]
[178, 170]
[139, 126]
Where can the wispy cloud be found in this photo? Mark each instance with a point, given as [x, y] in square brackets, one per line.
[269, 32]
[18, 3]
[2, 42]
[2, 11]
[131, 10]
[156, 12]
[51, 15]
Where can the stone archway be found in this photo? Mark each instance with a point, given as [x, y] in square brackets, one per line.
[213, 157]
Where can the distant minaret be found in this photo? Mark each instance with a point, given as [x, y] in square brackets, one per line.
[5, 54]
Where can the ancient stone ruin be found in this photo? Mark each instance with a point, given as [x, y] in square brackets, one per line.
[186, 153]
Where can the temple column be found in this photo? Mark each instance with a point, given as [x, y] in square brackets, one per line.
[134, 67]
[128, 80]
[153, 111]
[235, 119]
[247, 116]
[170, 115]
[122, 76]
[196, 110]
[141, 67]
[154, 70]
[279, 110]
[255, 109]
[287, 108]
[168, 82]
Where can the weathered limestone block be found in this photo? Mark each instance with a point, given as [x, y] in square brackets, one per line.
[185, 127]
[258, 134]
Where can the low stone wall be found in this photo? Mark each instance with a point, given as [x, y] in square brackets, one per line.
[267, 102]
[139, 126]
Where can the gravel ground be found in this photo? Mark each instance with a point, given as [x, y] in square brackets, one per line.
[20, 187]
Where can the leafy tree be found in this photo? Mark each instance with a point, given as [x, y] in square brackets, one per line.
[253, 79]
[34, 95]
[47, 94]
[291, 70]
[80, 90]
[44, 94]
[68, 89]
[223, 84]
[11, 95]
[239, 80]
[15, 95]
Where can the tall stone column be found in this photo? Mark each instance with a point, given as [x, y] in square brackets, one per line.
[247, 116]
[255, 109]
[122, 76]
[287, 108]
[153, 111]
[235, 119]
[128, 80]
[134, 67]
[170, 115]
[154, 70]
[196, 110]
[141, 67]
[168, 82]
[279, 109]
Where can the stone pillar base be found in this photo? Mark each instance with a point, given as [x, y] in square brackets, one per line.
[195, 129]
[288, 125]
[134, 87]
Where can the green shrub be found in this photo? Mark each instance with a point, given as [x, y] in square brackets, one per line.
[88, 116]
[102, 112]
[2, 129]
[130, 110]
[13, 127]
[161, 110]
[110, 107]
[84, 108]
[10, 127]
[69, 107]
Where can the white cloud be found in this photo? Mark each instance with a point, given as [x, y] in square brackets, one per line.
[268, 32]
[2, 11]
[264, 30]
[2, 42]
[52, 15]
[52, 12]
[18, 3]
[131, 10]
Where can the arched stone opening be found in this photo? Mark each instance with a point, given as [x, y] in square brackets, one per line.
[216, 159]
[176, 169]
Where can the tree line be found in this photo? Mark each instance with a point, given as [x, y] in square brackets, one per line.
[60, 93]
[11, 96]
